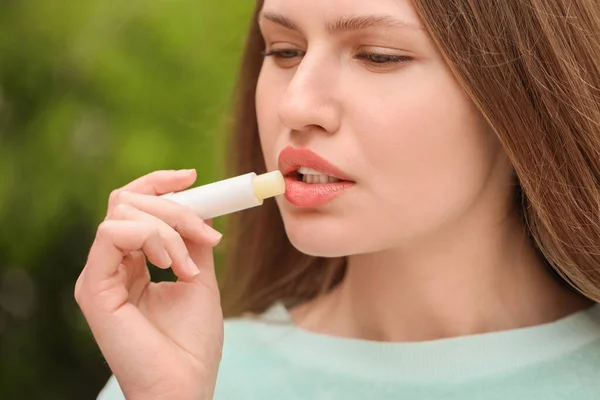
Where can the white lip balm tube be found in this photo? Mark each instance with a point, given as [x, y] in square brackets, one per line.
[230, 195]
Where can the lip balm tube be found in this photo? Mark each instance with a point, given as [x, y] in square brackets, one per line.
[230, 195]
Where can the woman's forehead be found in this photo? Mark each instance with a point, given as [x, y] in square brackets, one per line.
[331, 11]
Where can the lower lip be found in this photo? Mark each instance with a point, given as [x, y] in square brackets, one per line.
[313, 195]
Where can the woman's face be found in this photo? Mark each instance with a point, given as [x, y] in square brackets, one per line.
[361, 84]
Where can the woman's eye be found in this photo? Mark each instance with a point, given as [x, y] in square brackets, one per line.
[285, 58]
[283, 53]
[289, 57]
[375, 58]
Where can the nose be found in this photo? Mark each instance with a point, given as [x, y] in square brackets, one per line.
[309, 102]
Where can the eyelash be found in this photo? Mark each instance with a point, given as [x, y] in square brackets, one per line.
[285, 54]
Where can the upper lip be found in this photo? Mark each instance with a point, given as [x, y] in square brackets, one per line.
[290, 159]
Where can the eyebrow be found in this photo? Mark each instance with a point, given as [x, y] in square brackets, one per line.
[344, 24]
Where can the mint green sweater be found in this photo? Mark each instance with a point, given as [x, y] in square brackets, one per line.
[269, 358]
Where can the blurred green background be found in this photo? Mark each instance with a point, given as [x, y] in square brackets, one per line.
[93, 94]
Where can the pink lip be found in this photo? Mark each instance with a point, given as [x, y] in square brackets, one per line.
[310, 195]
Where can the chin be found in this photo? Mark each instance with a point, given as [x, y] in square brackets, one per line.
[316, 248]
[319, 235]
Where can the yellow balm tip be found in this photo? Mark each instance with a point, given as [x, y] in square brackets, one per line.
[268, 185]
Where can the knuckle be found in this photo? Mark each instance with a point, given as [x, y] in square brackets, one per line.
[121, 211]
[189, 216]
[178, 221]
[113, 196]
[122, 196]
[104, 229]
[153, 231]
[172, 236]
[183, 217]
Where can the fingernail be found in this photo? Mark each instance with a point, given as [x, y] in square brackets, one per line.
[167, 259]
[192, 267]
[185, 171]
[214, 234]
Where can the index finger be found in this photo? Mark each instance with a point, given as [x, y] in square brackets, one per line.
[162, 182]
[157, 183]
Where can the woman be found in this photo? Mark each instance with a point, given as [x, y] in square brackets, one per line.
[439, 236]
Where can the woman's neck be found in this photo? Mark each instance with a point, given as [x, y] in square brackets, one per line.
[457, 285]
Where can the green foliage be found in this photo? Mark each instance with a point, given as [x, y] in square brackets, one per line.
[93, 94]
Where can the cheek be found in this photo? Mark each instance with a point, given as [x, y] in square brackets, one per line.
[429, 149]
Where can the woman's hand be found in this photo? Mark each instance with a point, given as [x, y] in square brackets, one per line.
[161, 340]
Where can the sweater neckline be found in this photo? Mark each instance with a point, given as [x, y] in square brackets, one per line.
[442, 360]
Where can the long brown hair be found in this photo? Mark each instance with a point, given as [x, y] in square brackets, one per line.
[532, 67]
